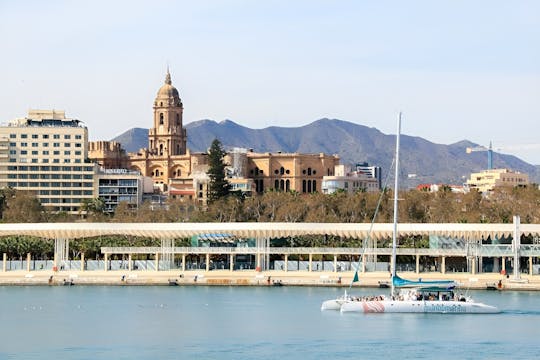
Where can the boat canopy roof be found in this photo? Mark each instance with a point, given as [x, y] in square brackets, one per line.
[423, 285]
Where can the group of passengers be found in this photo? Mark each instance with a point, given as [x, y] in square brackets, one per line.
[367, 298]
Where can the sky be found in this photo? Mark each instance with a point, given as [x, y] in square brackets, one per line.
[456, 69]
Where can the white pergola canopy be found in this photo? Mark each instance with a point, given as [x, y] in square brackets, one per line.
[260, 230]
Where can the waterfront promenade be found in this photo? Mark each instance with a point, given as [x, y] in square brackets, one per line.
[253, 278]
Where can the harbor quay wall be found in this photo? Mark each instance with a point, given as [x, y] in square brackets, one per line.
[255, 278]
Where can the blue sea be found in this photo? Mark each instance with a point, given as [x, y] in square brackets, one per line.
[203, 322]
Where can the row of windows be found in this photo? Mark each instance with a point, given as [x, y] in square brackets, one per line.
[49, 176]
[282, 171]
[45, 136]
[123, 191]
[44, 152]
[32, 184]
[50, 168]
[35, 144]
[118, 182]
[61, 201]
[44, 161]
[64, 192]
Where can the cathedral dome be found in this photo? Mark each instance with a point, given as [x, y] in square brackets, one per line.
[168, 91]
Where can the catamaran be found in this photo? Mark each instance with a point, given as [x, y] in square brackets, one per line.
[434, 296]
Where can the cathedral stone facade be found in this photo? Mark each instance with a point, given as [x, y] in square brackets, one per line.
[177, 172]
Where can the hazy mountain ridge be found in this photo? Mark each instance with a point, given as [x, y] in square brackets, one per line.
[430, 162]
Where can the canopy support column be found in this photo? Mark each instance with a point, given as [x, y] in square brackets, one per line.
[207, 261]
[4, 262]
[167, 253]
[310, 265]
[82, 261]
[231, 262]
[130, 262]
[183, 262]
[417, 268]
[61, 252]
[516, 244]
[335, 263]
[443, 264]
[286, 262]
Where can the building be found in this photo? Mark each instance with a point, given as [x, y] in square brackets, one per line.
[167, 160]
[114, 186]
[178, 173]
[487, 180]
[46, 153]
[350, 181]
[108, 154]
[250, 172]
[374, 172]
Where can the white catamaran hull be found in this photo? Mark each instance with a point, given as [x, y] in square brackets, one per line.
[334, 304]
[411, 306]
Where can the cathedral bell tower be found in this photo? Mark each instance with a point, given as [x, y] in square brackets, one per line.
[167, 137]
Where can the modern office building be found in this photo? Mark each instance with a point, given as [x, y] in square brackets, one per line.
[46, 153]
[114, 186]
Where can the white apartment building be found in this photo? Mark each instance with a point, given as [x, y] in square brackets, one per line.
[46, 153]
[349, 181]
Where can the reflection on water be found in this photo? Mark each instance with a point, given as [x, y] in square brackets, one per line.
[135, 322]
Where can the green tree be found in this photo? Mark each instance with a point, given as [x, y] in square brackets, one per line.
[218, 187]
[23, 207]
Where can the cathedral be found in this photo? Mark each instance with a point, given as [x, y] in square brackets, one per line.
[177, 172]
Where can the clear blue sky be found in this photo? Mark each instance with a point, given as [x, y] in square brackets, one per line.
[457, 69]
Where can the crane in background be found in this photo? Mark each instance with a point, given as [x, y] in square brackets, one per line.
[490, 150]
[483, 148]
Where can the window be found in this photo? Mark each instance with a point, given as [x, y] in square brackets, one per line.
[45, 136]
[56, 136]
[24, 136]
[24, 152]
[24, 144]
[35, 152]
[45, 144]
[67, 144]
[34, 136]
[78, 137]
[13, 152]
[12, 136]
[67, 137]
[12, 144]
[45, 152]
[78, 145]
[45, 161]
[161, 119]
[34, 144]
[56, 152]
[67, 152]
[56, 144]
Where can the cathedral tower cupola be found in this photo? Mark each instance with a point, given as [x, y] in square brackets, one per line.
[167, 137]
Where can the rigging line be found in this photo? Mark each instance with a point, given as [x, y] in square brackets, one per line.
[368, 238]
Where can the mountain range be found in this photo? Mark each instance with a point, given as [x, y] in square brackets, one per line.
[421, 161]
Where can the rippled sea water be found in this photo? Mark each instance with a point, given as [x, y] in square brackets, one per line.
[201, 322]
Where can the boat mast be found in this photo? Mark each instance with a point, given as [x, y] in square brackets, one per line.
[396, 190]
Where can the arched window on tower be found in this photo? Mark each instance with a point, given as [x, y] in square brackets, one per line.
[160, 118]
[178, 119]
[287, 185]
[160, 149]
[177, 149]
